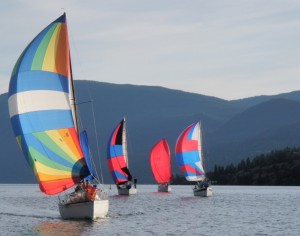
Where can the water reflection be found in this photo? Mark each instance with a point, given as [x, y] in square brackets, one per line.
[75, 228]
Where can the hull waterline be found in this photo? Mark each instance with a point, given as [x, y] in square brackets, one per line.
[84, 210]
[203, 192]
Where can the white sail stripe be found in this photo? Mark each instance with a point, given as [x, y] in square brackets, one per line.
[199, 165]
[195, 134]
[37, 100]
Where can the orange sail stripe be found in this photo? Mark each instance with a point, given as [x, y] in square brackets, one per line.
[55, 187]
[62, 61]
[72, 141]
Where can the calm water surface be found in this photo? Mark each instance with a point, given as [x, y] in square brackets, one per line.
[233, 210]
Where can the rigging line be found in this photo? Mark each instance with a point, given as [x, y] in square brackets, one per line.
[81, 127]
[92, 160]
[78, 117]
[93, 165]
[88, 88]
[97, 139]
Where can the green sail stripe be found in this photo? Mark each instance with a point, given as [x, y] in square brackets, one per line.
[52, 146]
[38, 59]
[17, 64]
[37, 156]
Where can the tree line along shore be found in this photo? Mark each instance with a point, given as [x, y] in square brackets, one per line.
[277, 168]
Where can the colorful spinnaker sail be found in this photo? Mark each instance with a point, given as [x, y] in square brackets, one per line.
[117, 155]
[40, 91]
[189, 153]
[160, 162]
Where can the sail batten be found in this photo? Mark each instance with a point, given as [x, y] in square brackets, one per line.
[40, 110]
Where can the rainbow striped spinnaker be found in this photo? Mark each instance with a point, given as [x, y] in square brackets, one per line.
[42, 113]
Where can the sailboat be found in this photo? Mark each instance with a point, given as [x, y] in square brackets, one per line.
[43, 115]
[160, 165]
[117, 160]
[189, 157]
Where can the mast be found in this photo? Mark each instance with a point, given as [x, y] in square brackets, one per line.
[72, 98]
[72, 91]
[200, 148]
[124, 140]
[200, 143]
[71, 85]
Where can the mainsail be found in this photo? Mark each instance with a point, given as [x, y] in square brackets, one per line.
[40, 110]
[160, 162]
[117, 155]
[188, 153]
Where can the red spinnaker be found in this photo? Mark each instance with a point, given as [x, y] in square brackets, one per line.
[160, 162]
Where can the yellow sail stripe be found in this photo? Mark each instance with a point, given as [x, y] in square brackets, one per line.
[18, 138]
[46, 178]
[49, 59]
[63, 139]
[45, 172]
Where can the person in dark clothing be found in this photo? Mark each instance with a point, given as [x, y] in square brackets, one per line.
[134, 182]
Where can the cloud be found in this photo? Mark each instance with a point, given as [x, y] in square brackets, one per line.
[211, 47]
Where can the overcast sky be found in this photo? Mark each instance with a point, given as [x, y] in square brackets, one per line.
[224, 48]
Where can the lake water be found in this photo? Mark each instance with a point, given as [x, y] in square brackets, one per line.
[233, 210]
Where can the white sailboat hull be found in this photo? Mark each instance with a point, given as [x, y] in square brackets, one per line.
[206, 192]
[164, 188]
[84, 210]
[125, 191]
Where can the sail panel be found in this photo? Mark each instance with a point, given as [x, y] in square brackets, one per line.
[51, 188]
[61, 162]
[69, 145]
[85, 149]
[42, 120]
[188, 154]
[115, 151]
[45, 158]
[51, 172]
[40, 110]
[37, 101]
[118, 177]
[160, 162]
[49, 51]
[38, 80]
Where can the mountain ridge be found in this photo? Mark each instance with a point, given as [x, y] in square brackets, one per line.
[154, 112]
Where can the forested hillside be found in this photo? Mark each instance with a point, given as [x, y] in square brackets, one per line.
[281, 167]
